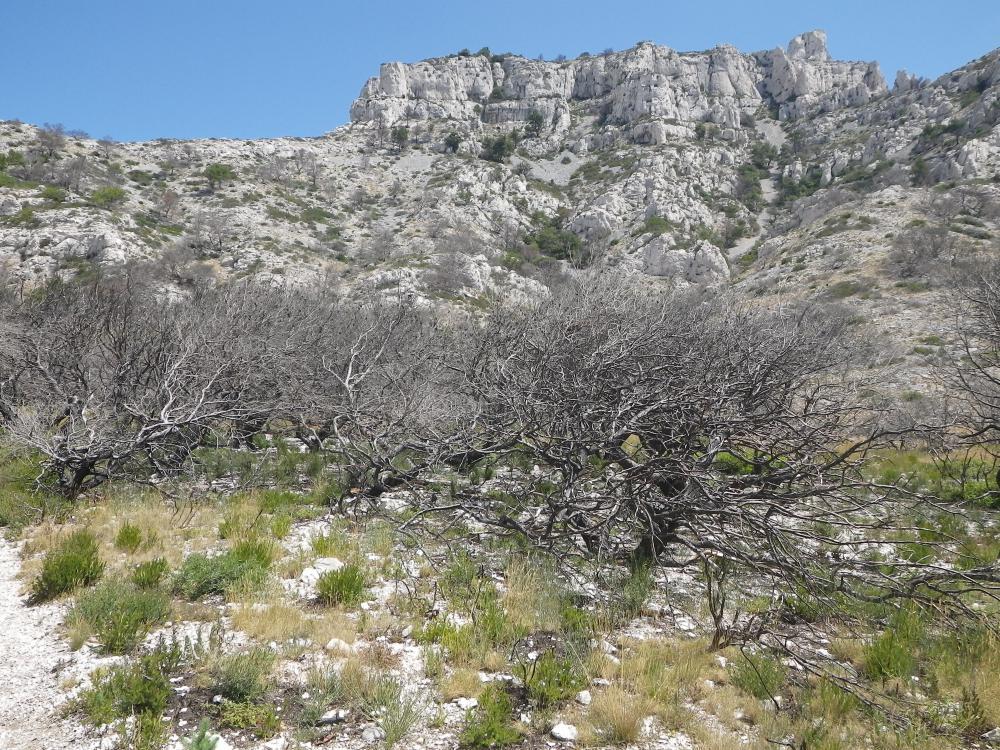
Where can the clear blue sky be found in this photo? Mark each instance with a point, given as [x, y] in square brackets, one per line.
[138, 69]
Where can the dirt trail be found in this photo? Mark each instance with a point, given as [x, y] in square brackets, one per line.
[30, 658]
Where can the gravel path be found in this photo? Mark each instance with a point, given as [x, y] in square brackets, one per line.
[31, 656]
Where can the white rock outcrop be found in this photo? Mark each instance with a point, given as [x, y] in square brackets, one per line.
[721, 85]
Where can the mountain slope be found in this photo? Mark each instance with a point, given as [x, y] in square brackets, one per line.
[783, 173]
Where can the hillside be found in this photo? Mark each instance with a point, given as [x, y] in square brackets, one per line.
[463, 175]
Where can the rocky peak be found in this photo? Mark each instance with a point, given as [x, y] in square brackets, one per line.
[809, 46]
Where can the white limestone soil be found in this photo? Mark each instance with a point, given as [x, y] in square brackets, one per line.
[31, 657]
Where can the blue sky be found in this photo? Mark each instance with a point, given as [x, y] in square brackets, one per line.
[138, 69]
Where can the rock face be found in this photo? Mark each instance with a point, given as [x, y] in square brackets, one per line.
[646, 81]
[803, 80]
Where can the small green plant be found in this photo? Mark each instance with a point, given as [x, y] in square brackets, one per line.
[656, 225]
[74, 563]
[550, 679]
[128, 538]
[24, 218]
[491, 723]
[324, 688]
[281, 526]
[149, 574]
[202, 739]
[146, 732]
[258, 718]
[244, 677]
[894, 652]
[398, 719]
[120, 615]
[831, 701]
[758, 675]
[342, 587]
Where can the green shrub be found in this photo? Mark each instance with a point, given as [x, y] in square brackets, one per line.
[894, 652]
[536, 121]
[258, 718]
[633, 592]
[550, 679]
[491, 723]
[200, 575]
[244, 677]
[140, 177]
[576, 622]
[656, 225]
[217, 173]
[74, 563]
[342, 587]
[731, 465]
[759, 675]
[556, 243]
[120, 615]
[255, 552]
[498, 149]
[107, 197]
[281, 525]
[53, 193]
[831, 701]
[149, 574]
[142, 686]
[452, 141]
[129, 537]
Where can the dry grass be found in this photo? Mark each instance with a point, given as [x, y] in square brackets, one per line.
[708, 738]
[461, 683]
[850, 650]
[292, 566]
[166, 533]
[276, 621]
[599, 665]
[665, 671]
[616, 717]
[380, 656]
[339, 543]
[532, 596]
[733, 708]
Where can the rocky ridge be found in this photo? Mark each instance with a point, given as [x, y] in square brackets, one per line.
[647, 82]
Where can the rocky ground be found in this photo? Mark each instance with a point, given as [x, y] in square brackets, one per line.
[37, 668]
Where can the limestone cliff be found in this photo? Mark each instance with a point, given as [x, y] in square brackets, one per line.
[647, 81]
